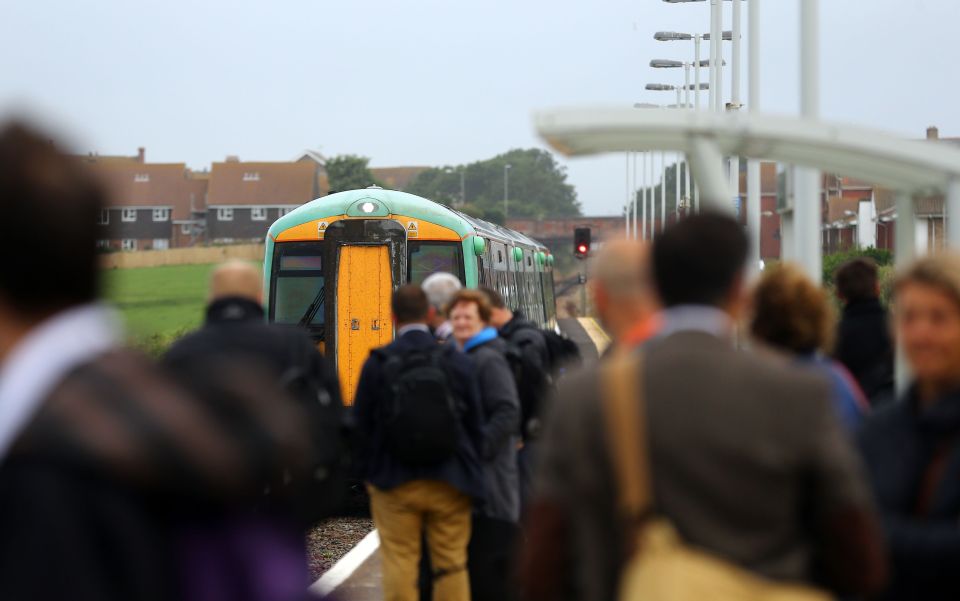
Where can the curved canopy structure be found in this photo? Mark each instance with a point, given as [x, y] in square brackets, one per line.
[911, 167]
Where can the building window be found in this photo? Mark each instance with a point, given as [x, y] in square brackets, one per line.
[224, 214]
[283, 211]
[185, 229]
[103, 244]
[251, 176]
[161, 214]
[104, 218]
[129, 244]
[141, 178]
[161, 243]
[128, 215]
[258, 214]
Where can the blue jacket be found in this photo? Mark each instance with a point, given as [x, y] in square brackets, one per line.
[920, 506]
[462, 471]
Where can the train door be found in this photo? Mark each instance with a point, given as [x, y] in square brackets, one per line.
[364, 286]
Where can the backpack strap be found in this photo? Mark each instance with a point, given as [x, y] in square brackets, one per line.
[624, 415]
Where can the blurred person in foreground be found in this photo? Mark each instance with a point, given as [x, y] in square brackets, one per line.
[235, 329]
[418, 418]
[746, 456]
[440, 288]
[622, 294]
[912, 447]
[793, 315]
[99, 452]
[864, 344]
[495, 524]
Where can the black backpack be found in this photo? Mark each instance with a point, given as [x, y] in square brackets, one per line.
[564, 353]
[422, 416]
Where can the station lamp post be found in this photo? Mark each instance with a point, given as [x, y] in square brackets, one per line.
[506, 190]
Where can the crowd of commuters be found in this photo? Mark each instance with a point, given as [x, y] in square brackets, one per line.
[731, 433]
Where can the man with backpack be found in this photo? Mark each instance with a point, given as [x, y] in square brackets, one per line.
[418, 423]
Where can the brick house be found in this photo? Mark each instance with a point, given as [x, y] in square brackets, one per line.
[244, 198]
[149, 204]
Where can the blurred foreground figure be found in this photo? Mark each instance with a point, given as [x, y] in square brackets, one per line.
[793, 315]
[419, 422]
[235, 336]
[440, 288]
[99, 453]
[912, 447]
[742, 456]
[863, 335]
[622, 294]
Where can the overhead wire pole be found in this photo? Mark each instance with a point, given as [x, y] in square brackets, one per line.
[663, 190]
[807, 209]
[633, 195]
[716, 54]
[754, 193]
[643, 195]
[735, 96]
[626, 172]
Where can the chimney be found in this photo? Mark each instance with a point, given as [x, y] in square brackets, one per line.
[232, 158]
[141, 154]
[933, 133]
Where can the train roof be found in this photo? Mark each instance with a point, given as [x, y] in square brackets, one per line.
[393, 202]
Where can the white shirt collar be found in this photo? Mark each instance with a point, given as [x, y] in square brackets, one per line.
[37, 364]
[695, 318]
[413, 327]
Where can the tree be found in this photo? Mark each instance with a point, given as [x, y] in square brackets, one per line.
[537, 186]
[349, 172]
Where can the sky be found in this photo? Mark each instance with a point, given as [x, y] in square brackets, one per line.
[432, 82]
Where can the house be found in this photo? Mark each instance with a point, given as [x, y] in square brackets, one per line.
[396, 178]
[244, 198]
[148, 204]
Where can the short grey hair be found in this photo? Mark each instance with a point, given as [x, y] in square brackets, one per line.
[440, 288]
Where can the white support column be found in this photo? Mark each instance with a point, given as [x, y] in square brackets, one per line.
[663, 191]
[626, 223]
[807, 208]
[951, 228]
[754, 193]
[715, 38]
[643, 196]
[696, 71]
[676, 182]
[633, 195]
[705, 161]
[905, 250]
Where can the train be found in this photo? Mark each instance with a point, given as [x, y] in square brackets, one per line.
[331, 266]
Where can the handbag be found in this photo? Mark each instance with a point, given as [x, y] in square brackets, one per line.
[662, 566]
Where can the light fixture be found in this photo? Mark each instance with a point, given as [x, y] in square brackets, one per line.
[368, 207]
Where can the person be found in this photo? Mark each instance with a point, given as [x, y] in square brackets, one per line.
[622, 294]
[747, 458]
[98, 448]
[440, 288]
[530, 363]
[793, 315]
[235, 330]
[495, 525]
[411, 494]
[863, 344]
[912, 447]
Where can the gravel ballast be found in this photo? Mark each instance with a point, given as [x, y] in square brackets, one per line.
[331, 539]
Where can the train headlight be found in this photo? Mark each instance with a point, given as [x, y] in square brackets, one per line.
[368, 207]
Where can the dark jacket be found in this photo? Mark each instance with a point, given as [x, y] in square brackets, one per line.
[527, 339]
[748, 461]
[501, 429]
[93, 485]
[913, 457]
[377, 465]
[235, 336]
[865, 348]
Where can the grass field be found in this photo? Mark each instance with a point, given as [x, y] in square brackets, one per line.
[159, 304]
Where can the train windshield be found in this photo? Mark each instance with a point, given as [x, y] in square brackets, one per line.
[425, 258]
[298, 280]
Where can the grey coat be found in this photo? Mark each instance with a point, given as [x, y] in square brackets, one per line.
[501, 430]
[747, 455]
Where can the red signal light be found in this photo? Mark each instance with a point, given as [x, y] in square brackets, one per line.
[582, 249]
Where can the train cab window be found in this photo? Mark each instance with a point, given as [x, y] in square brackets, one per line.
[297, 281]
[425, 258]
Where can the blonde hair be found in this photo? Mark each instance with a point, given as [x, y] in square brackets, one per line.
[941, 271]
[791, 312]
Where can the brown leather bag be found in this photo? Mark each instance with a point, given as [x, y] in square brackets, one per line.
[663, 567]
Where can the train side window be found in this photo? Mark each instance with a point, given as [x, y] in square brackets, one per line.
[298, 277]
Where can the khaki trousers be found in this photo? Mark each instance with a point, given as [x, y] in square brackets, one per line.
[401, 515]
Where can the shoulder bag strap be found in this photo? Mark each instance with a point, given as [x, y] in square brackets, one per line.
[624, 416]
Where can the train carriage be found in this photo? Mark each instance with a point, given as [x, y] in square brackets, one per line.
[332, 264]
